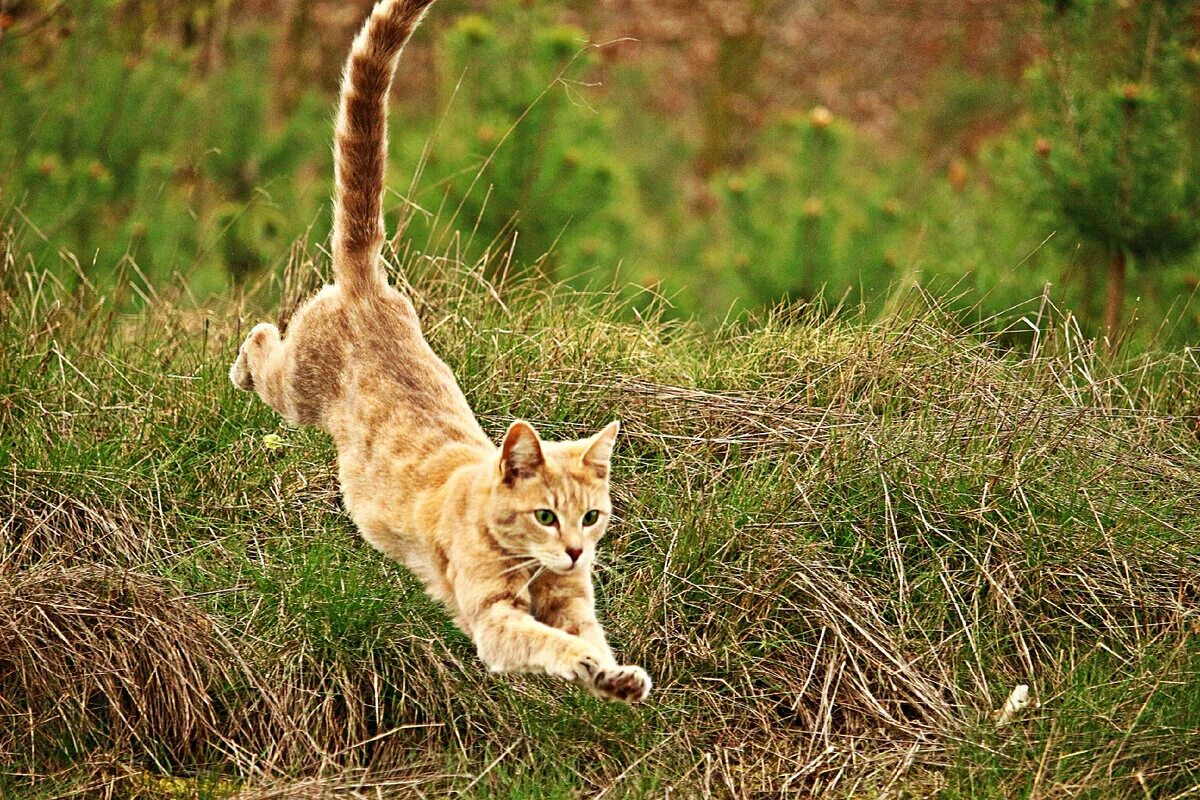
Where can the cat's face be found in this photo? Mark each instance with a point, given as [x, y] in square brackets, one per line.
[551, 503]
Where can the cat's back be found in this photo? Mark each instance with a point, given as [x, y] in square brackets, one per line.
[362, 363]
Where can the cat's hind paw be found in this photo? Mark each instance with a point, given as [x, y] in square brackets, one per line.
[627, 683]
[263, 337]
[239, 373]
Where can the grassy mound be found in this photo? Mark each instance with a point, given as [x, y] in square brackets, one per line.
[839, 548]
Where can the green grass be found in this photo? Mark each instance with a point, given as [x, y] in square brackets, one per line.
[839, 546]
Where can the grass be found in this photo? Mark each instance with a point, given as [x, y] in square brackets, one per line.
[840, 545]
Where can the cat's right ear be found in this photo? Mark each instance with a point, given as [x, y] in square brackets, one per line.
[521, 452]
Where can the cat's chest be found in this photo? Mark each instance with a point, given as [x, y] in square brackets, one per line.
[431, 565]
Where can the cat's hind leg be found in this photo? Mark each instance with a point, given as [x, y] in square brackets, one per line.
[259, 366]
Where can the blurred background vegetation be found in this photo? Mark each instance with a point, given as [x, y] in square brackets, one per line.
[728, 154]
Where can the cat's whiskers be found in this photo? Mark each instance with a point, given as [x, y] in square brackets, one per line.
[523, 565]
[533, 577]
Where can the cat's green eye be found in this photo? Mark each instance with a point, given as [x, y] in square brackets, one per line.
[545, 516]
[590, 518]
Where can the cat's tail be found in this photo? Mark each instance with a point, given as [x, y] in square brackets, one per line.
[360, 144]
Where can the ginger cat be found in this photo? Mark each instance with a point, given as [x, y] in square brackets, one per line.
[504, 537]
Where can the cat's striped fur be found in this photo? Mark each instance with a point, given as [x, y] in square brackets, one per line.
[420, 478]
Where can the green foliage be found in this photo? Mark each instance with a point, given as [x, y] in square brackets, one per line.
[520, 153]
[119, 142]
[1117, 102]
[1105, 732]
[802, 224]
[115, 152]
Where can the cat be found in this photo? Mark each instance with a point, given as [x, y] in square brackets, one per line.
[505, 537]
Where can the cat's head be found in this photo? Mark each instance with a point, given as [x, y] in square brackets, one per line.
[551, 500]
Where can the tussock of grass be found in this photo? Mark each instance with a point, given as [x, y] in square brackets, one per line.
[839, 547]
[92, 656]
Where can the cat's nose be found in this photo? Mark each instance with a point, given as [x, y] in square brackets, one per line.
[574, 553]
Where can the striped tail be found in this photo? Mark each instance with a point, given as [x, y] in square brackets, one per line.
[360, 144]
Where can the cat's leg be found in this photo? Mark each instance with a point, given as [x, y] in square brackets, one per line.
[259, 366]
[568, 606]
[508, 639]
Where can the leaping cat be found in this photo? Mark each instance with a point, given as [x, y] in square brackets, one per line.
[504, 536]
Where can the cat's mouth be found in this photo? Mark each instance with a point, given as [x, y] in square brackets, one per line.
[563, 567]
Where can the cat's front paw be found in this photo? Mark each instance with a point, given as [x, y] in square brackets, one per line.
[626, 683]
[581, 663]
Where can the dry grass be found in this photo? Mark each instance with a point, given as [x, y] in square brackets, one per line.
[100, 658]
[839, 547]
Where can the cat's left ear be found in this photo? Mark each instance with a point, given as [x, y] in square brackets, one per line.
[521, 452]
[600, 447]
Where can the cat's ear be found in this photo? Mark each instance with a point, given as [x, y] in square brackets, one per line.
[600, 447]
[521, 452]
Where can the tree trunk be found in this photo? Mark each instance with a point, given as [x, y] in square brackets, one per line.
[287, 60]
[1116, 296]
[733, 88]
[737, 63]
